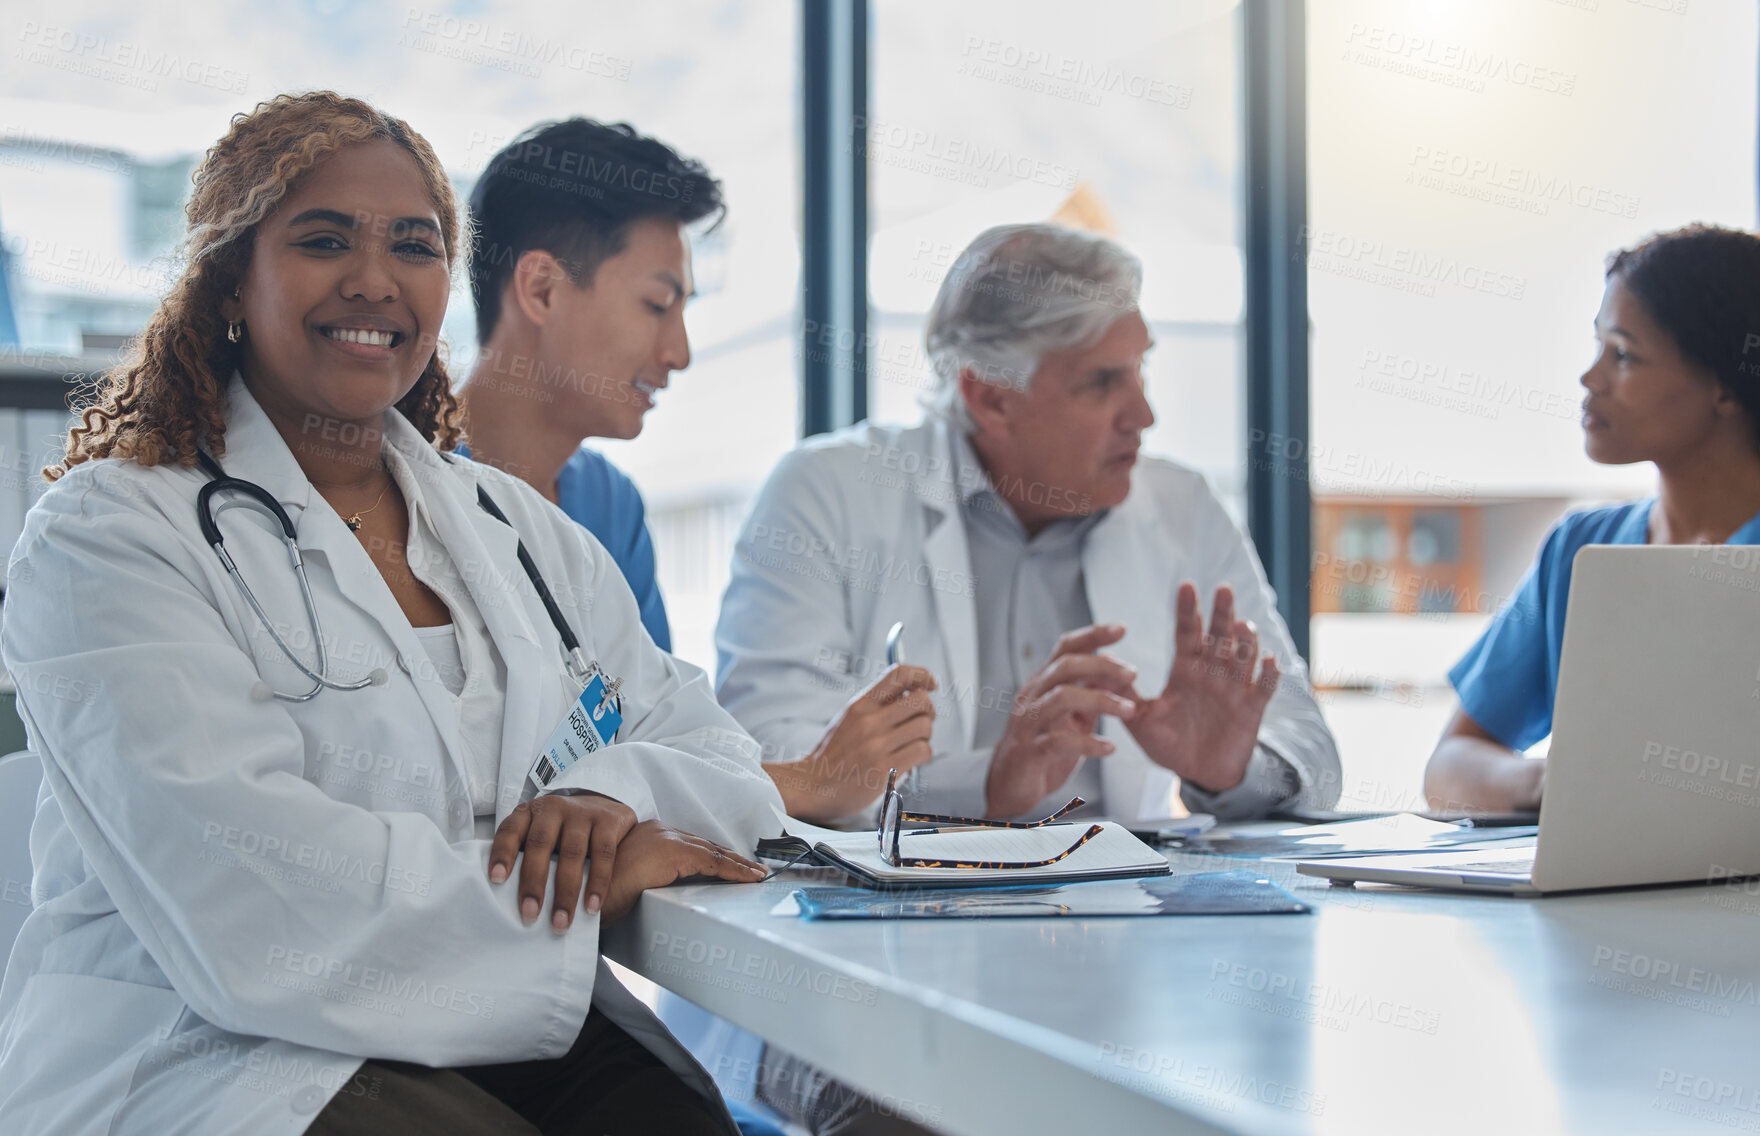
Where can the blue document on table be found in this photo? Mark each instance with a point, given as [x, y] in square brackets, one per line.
[1209, 893]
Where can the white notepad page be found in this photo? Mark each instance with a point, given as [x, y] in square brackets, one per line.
[1113, 850]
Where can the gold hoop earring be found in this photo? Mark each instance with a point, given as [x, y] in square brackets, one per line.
[233, 331]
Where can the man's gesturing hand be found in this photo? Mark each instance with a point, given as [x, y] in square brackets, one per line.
[1206, 721]
[1051, 726]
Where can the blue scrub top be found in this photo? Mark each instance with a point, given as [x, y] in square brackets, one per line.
[1508, 679]
[602, 498]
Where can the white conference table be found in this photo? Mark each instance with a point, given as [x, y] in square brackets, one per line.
[1385, 1010]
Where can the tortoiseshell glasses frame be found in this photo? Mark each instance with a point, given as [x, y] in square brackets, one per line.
[893, 818]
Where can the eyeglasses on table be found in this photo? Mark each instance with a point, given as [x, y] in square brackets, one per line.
[893, 817]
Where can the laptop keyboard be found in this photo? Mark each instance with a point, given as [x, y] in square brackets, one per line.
[1509, 866]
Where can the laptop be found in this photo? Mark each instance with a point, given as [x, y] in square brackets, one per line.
[1654, 772]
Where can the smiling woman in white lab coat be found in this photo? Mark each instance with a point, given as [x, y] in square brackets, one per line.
[261, 914]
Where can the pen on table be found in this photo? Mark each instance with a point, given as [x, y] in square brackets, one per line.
[894, 656]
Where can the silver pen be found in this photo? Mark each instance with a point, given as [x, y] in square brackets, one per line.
[894, 656]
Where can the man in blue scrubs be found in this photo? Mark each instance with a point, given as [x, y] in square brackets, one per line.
[580, 270]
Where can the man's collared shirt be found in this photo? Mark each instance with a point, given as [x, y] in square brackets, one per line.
[1028, 591]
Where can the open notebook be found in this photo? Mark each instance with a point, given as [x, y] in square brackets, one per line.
[1113, 854]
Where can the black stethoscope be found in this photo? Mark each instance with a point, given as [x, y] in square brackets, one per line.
[573, 661]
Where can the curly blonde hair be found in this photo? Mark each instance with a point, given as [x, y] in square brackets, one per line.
[166, 395]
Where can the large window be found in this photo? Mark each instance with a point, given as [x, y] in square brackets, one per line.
[1123, 118]
[1471, 165]
[105, 107]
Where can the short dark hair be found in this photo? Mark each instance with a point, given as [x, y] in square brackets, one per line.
[572, 188]
[1702, 284]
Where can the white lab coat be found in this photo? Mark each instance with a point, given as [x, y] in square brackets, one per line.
[863, 528]
[236, 900]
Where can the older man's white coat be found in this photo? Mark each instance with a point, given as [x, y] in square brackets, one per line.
[863, 528]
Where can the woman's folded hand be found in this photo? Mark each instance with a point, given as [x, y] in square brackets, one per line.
[654, 855]
[580, 828]
[597, 837]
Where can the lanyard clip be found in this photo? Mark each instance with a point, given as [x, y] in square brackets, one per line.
[613, 693]
[584, 672]
[578, 668]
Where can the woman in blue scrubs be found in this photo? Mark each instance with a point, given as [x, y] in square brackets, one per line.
[1675, 381]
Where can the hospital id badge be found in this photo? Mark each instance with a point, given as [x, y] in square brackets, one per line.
[591, 724]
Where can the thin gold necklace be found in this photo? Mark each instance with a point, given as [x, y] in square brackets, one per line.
[354, 521]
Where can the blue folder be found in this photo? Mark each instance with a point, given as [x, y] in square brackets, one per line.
[1239, 892]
